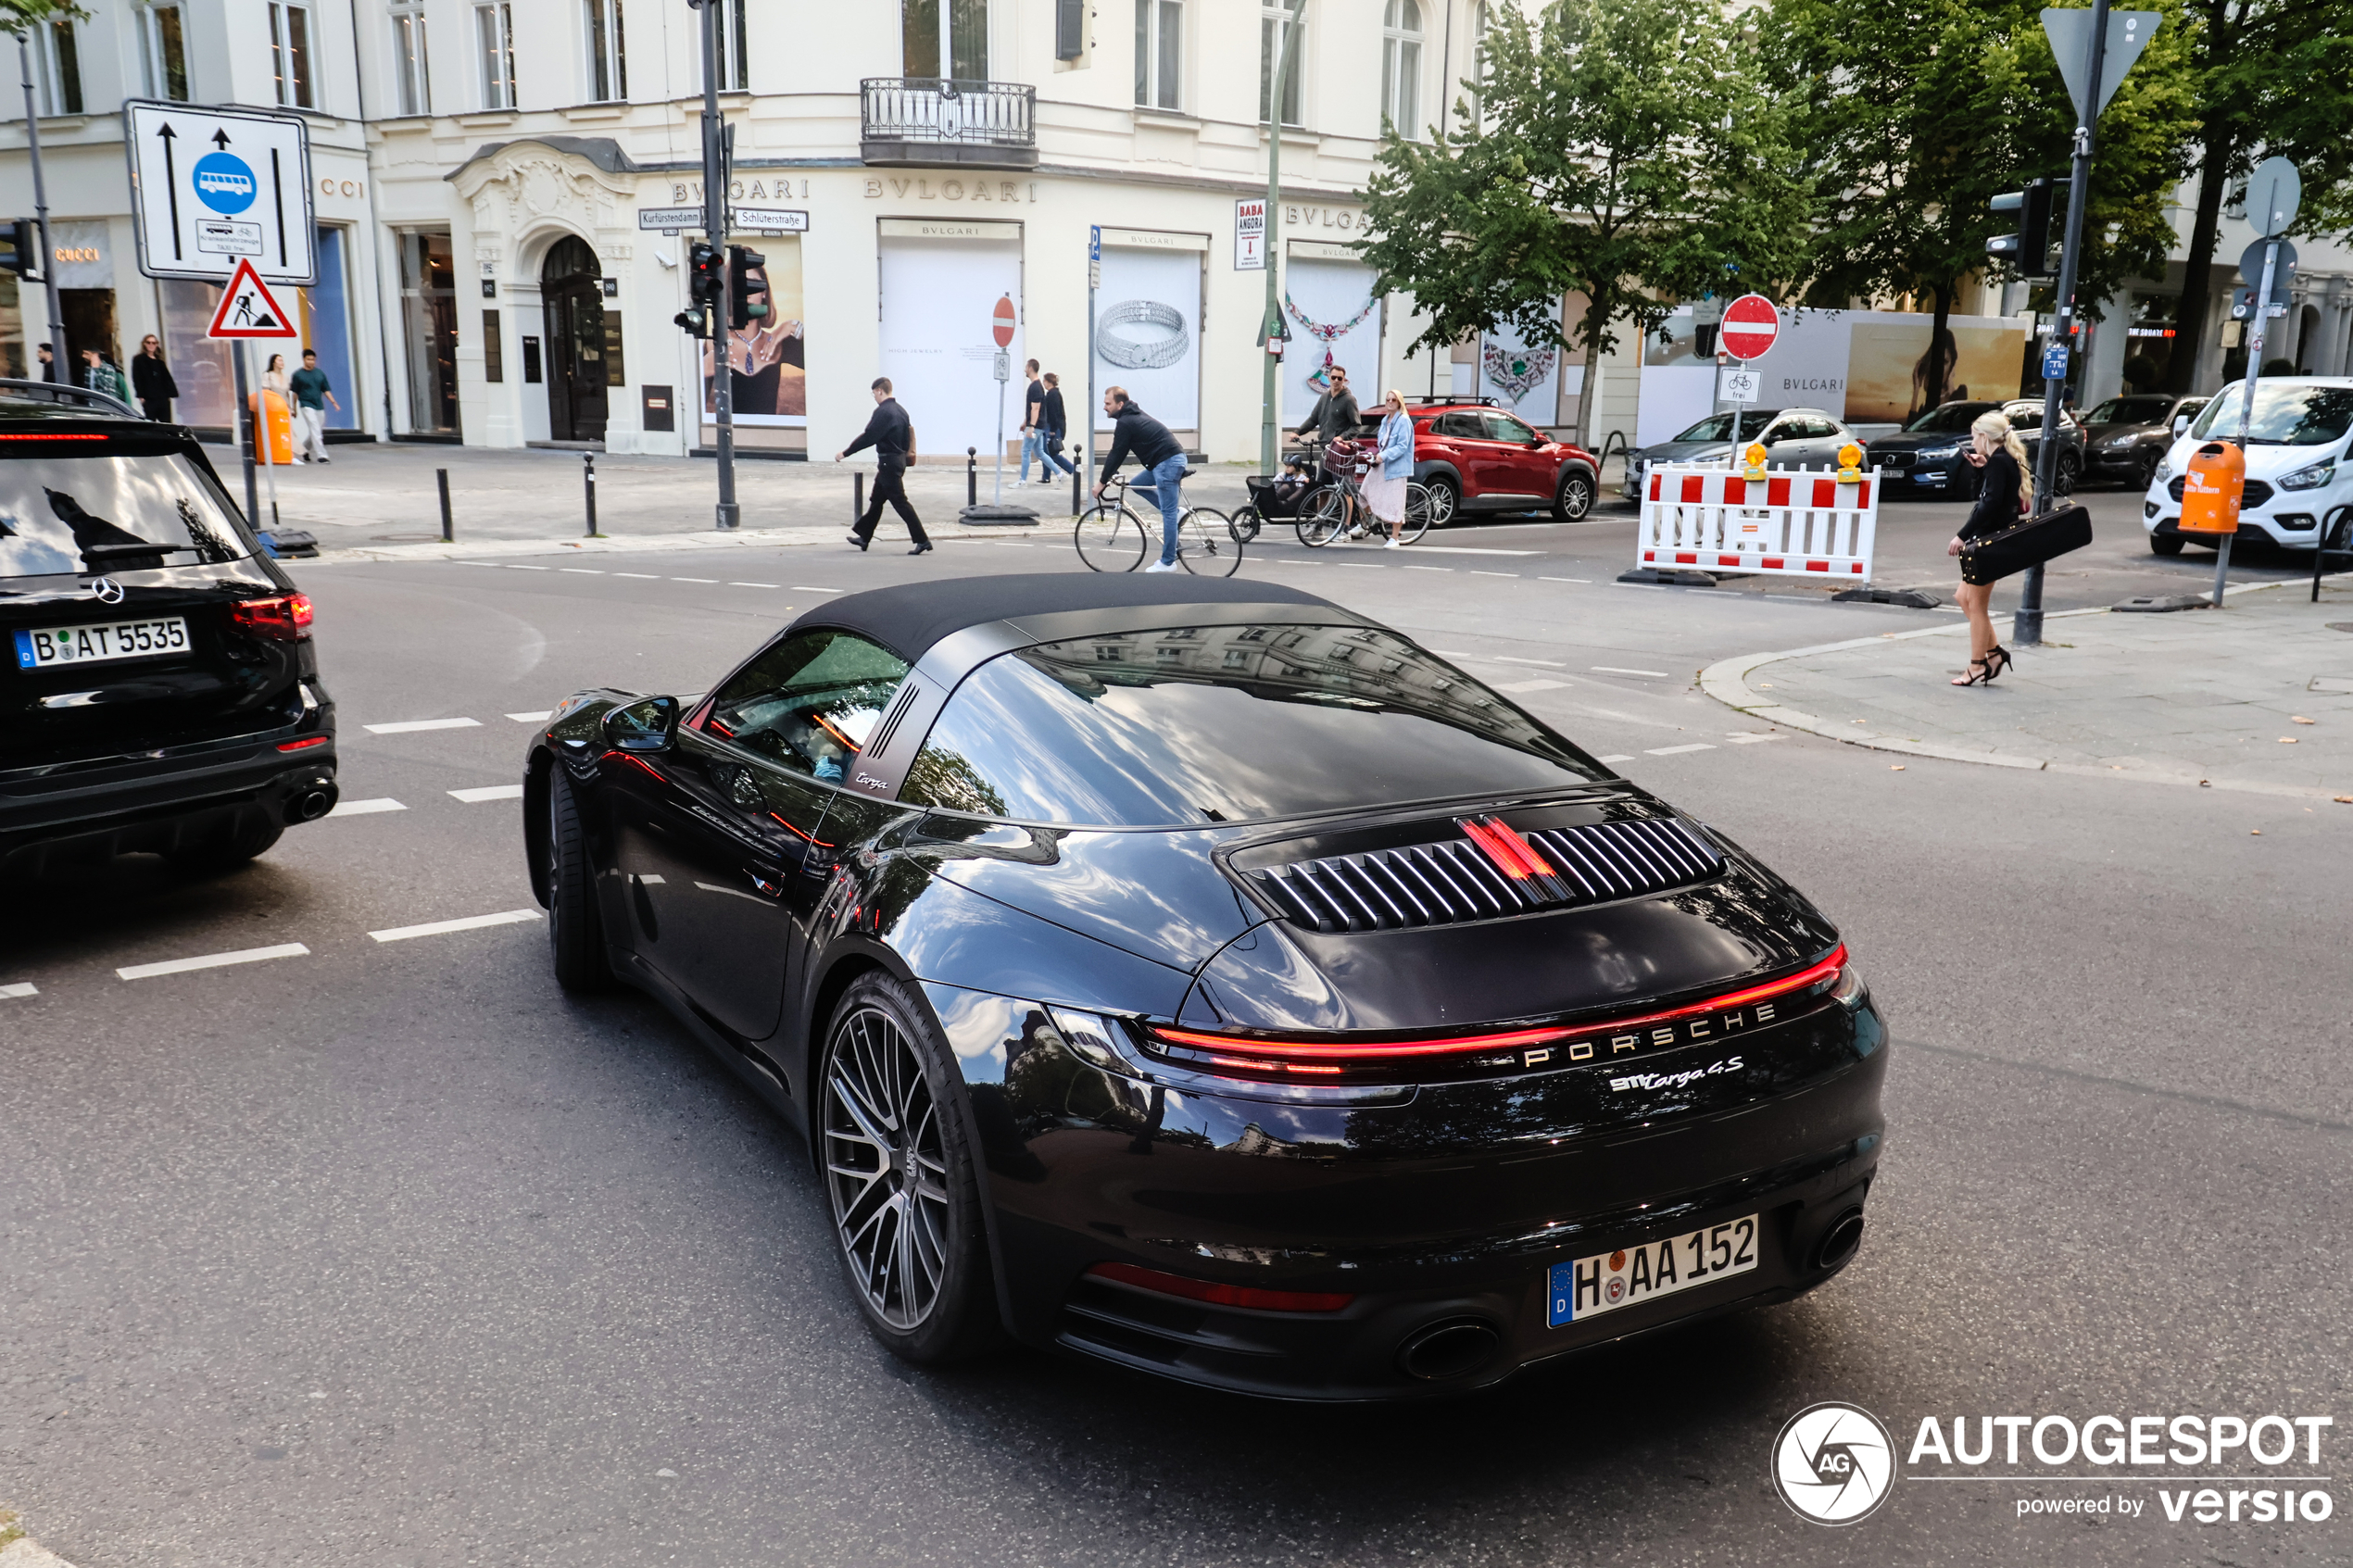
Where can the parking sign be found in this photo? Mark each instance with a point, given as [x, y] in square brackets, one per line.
[214, 188]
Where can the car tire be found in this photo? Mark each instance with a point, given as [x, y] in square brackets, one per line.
[2070, 467]
[225, 852]
[1574, 497]
[901, 1178]
[1445, 499]
[2165, 544]
[575, 926]
[2145, 474]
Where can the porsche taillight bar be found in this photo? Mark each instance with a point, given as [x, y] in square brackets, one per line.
[1320, 1055]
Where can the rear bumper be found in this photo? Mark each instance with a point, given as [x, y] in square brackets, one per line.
[162, 804]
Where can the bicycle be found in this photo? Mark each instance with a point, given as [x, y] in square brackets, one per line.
[1112, 537]
[1336, 506]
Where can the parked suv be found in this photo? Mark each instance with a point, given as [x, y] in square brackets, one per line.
[1473, 457]
[2129, 434]
[1930, 455]
[158, 688]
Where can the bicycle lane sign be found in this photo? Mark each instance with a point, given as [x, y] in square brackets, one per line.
[214, 189]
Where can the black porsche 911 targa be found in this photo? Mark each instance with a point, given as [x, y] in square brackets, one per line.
[1201, 976]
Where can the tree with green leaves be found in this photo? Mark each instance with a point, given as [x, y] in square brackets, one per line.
[2269, 78]
[1626, 150]
[18, 15]
[1914, 122]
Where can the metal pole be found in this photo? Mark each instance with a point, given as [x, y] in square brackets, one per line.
[448, 529]
[972, 474]
[588, 486]
[245, 431]
[270, 458]
[1270, 415]
[49, 251]
[2026, 625]
[996, 496]
[1094, 398]
[857, 495]
[714, 192]
[2260, 314]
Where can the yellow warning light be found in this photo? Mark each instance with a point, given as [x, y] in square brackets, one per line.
[1755, 457]
[1850, 463]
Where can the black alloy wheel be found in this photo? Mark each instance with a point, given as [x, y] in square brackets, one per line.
[898, 1176]
[1575, 497]
[2070, 466]
[575, 929]
[1445, 499]
[2145, 471]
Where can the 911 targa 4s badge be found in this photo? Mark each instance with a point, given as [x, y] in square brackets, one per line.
[1201, 976]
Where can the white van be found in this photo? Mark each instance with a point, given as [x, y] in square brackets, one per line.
[2300, 461]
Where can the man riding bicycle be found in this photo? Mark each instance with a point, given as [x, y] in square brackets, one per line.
[1135, 433]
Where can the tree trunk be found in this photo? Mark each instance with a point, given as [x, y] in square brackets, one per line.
[2197, 267]
[1598, 308]
[1941, 356]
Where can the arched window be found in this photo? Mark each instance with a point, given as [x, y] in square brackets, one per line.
[1401, 67]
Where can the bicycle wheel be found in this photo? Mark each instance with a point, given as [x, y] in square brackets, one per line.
[1246, 524]
[1417, 510]
[1206, 545]
[1322, 516]
[1109, 539]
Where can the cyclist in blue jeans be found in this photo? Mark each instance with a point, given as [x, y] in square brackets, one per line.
[1135, 433]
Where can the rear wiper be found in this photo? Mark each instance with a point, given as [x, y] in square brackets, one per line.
[98, 555]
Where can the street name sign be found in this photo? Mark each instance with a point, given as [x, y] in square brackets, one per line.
[217, 190]
[768, 220]
[1250, 235]
[248, 310]
[1750, 326]
[2071, 34]
[670, 220]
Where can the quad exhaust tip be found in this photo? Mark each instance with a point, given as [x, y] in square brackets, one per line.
[1840, 1242]
[1455, 1348]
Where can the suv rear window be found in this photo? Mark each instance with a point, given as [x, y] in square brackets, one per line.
[1227, 724]
[109, 512]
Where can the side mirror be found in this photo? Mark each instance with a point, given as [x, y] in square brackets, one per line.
[649, 724]
[2180, 423]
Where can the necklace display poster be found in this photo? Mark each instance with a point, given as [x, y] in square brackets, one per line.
[1147, 327]
[1522, 380]
[1331, 325]
[942, 281]
[769, 360]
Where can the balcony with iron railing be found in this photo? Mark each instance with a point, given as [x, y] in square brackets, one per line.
[932, 122]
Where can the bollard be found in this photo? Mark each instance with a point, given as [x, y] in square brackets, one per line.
[588, 483]
[448, 530]
[972, 476]
[857, 496]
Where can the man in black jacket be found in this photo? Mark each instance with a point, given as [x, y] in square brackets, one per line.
[1135, 433]
[891, 433]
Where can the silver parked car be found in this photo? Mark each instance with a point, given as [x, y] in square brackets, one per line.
[1794, 438]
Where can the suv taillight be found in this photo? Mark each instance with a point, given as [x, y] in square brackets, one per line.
[285, 619]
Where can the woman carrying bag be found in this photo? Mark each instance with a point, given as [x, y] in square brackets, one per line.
[2006, 496]
[1385, 491]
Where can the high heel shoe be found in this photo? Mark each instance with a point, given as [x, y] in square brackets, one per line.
[1977, 676]
[1997, 658]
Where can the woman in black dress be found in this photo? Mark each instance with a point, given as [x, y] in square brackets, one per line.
[151, 380]
[2003, 498]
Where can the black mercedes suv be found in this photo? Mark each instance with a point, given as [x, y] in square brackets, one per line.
[158, 688]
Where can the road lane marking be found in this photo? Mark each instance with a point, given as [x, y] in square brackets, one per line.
[410, 726]
[731, 892]
[810, 588]
[1547, 663]
[212, 960]
[1477, 572]
[648, 576]
[1747, 737]
[442, 927]
[365, 808]
[712, 582]
[1586, 580]
[487, 792]
[752, 585]
[513, 567]
[1539, 685]
[491, 564]
[1619, 670]
[539, 718]
[1621, 757]
[1410, 567]
[23, 988]
[1462, 551]
[1678, 751]
[584, 570]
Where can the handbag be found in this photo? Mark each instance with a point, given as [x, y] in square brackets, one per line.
[2031, 543]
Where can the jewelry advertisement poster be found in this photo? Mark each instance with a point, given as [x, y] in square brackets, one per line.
[1147, 337]
[1335, 320]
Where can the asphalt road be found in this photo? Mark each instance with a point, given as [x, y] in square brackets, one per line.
[391, 1252]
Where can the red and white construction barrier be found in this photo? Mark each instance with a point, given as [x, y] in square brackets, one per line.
[1795, 523]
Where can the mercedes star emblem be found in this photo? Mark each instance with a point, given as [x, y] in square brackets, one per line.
[109, 591]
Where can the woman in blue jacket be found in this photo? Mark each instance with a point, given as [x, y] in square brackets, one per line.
[1385, 491]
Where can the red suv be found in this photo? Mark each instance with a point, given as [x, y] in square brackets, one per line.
[1473, 457]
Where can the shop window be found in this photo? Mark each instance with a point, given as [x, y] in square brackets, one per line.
[412, 88]
[429, 322]
[608, 53]
[326, 326]
[163, 51]
[735, 73]
[57, 56]
[1401, 67]
[944, 38]
[290, 54]
[1160, 53]
[1275, 35]
[495, 39]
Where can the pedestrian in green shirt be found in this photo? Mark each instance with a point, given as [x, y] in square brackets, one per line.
[312, 395]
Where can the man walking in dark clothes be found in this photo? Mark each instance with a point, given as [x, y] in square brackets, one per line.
[891, 433]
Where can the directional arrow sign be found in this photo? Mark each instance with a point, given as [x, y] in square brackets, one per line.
[248, 310]
[2071, 34]
[212, 189]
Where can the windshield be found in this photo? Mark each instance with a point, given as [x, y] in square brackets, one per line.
[2287, 414]
[1948, 419]
[2129, 411]
[1718, 427]
[108, 513]
[1227, 724]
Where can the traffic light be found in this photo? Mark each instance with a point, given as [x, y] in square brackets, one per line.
[23, 258]
[746, 295]
[703, 289]
[2029, 250]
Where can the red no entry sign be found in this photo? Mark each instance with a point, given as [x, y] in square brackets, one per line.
[1750, 326]
[1002, 324]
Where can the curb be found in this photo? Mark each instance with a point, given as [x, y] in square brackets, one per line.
[638, 544]
[22, 1551]
[1727, 681]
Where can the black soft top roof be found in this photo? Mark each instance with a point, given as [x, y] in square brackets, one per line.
[910, 617]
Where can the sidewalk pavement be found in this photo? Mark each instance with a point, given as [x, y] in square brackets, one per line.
[2256, 697]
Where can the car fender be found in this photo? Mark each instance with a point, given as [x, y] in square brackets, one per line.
[1428, 469]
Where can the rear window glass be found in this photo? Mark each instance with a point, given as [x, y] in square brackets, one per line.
[110, 513]
[1227, 724]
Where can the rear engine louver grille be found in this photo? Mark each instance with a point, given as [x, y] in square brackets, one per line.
[1453, 880]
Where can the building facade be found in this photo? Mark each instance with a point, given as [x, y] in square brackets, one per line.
[491, 176]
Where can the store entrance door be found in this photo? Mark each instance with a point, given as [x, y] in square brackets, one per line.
[572, 292]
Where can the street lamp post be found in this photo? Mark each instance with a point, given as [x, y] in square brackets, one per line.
[1286, 46]
[41, 213]
[715, 198]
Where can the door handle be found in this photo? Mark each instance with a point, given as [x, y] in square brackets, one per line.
[767, 888]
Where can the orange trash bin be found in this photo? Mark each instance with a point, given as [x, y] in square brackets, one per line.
[273, 421]
[2212, 488]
